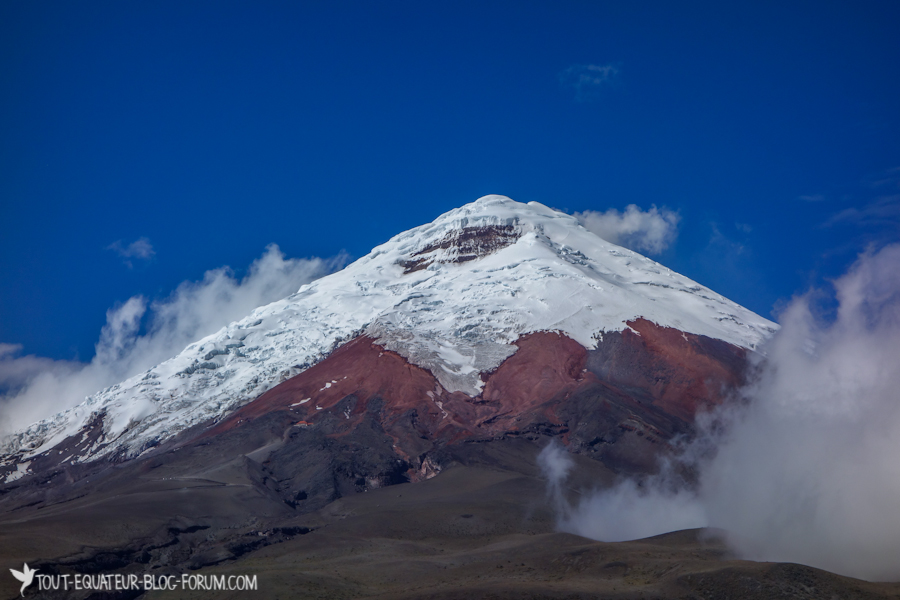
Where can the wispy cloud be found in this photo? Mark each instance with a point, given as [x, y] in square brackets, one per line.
[888, 179]
[139, 249]
[803, 469]
[650, 231]
[812, 198]
[883, 211]
[722, 245]
[589, 81]
[141, 333]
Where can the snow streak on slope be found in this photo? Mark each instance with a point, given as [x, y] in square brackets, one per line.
[450, 296]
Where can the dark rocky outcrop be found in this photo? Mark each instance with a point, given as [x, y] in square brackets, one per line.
[465, 244]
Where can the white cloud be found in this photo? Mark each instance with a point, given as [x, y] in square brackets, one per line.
[140, 248]
[805, 469]
[555, 465]
[808, 472]
[589, 81]
[6, 349]
[627, 511]
[36, 387]
[650, 231]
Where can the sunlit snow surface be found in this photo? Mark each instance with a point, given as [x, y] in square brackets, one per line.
[455, 319]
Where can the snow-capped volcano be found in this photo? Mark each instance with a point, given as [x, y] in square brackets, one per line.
[451, 297]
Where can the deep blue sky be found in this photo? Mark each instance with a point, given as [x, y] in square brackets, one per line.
[215, 128]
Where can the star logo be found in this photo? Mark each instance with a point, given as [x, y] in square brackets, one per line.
[26, 576]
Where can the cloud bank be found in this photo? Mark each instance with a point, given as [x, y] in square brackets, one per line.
[650, 231]
[36, 387]
[804, 469]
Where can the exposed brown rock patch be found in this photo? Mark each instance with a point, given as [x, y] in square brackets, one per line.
[546, 368]
[361, 369]
[468, 243]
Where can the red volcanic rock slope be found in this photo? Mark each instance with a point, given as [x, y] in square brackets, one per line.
[648, 381]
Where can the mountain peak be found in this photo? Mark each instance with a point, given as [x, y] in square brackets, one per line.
[452, 297]
[472, 231]
[495, 200]
[497, 208]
